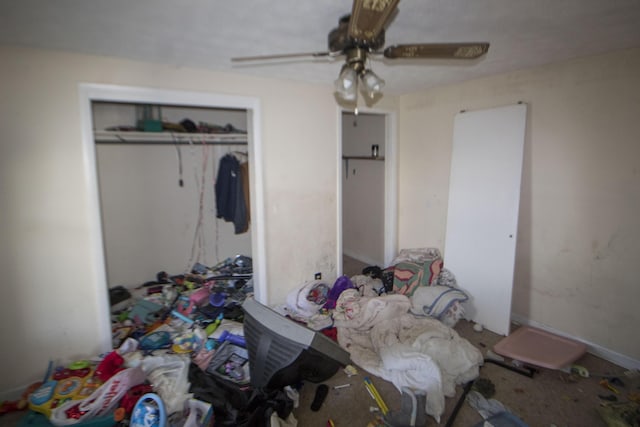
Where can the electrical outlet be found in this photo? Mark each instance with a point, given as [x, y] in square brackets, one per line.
[318, 276]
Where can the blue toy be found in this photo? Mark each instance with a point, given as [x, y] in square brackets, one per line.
[149, 412]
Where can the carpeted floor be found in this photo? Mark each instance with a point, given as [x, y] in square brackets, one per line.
[548, 398]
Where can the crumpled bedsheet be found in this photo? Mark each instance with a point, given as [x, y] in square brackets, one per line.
[421, 353]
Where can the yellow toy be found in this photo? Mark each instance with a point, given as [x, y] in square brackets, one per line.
[72, 382]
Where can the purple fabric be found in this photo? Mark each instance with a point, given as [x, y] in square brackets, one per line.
[342, 284]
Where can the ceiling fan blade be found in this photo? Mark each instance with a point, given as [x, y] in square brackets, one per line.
[285, 56]
[437, 50]
[369, 18]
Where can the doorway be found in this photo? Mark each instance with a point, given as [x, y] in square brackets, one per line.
[91, 93]
[367, 196]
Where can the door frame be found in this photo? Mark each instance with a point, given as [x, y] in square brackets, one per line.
[88, 93]
[390, 185]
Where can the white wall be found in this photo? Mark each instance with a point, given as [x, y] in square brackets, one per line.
[150, 223]
[363, 190]
[579, 229]
[47, 309]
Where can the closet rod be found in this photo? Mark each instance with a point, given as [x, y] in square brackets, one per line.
[169, 138]
[182, 142]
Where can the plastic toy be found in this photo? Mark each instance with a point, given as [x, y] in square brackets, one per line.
[232, 338]
[184, 305]
[64, 383]
[145, 311]
[187, 342]
[149, 412]
[155, 340]
[200, 296]
[217, 299]
[211, 328]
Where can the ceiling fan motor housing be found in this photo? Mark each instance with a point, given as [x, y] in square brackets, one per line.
[356, 58]
[339, 40]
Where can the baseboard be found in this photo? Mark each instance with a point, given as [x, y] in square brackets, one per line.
[13, 394]
[595, 349]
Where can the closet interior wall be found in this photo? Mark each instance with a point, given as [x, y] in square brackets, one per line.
[158, 199]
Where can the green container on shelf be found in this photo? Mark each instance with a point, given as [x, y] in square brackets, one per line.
[149, 118]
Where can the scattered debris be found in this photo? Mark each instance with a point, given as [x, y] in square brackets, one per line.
[609, 397]
[568, 378]
[485, 387]
[616, 414]
[350, 370]
[580, 370]
[485, 407]
[616, 381]
[493, 356]
[604, 383]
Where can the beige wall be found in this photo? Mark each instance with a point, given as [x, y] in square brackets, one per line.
[579, 231]
[47, 309]
[578, 243]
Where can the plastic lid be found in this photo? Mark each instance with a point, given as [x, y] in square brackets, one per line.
[217, 299]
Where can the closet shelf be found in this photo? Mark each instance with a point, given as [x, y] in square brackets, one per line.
[362, 158]
[117, 137]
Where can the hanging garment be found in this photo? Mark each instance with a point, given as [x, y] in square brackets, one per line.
[230, 204]
[244, 173]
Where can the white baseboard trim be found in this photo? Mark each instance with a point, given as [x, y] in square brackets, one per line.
[13, 394]
[595, 349]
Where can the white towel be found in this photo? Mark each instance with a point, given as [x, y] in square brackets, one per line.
[434, 301]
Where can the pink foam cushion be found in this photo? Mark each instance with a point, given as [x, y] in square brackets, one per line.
[540, 348]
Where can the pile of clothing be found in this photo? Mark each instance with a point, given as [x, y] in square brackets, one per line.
[396, 323]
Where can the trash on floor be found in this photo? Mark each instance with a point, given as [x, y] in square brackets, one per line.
[160, 328]
[620, 414]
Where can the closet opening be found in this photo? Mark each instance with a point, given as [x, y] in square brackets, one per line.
[155, 159]
[367, 188]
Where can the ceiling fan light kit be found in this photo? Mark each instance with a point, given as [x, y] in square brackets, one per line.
[372, 84]
[360, 36]
[346, 84]
[354, 72]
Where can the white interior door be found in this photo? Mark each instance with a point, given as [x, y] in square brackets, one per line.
[482, 218]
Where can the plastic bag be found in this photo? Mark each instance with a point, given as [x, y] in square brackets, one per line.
[169, 376]
[101, 402]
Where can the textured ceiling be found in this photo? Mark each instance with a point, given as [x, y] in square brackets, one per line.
[206, 34]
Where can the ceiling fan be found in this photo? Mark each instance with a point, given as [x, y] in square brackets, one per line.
[361, 35]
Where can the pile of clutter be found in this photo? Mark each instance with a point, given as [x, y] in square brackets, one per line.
[397, 323]
[200, 299]
[168, 334]
[417, 274]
